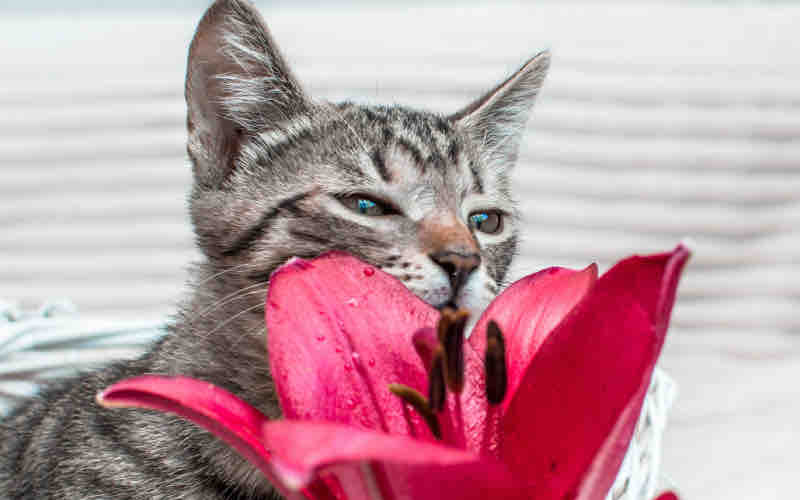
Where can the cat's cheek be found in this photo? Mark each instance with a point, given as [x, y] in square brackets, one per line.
[422, 277]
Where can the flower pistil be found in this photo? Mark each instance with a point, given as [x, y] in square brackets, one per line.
[443, 353]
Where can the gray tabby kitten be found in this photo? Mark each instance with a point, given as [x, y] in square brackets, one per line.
[426, 198]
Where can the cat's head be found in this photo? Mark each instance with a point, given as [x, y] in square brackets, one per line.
[425, 197]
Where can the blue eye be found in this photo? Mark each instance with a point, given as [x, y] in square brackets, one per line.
[478, 219]
[486, 222]
[364, 205]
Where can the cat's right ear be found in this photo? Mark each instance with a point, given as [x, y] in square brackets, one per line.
[496, 121]
[237, 84]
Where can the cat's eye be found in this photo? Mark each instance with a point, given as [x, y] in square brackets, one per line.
[366, 206]
[489, 222]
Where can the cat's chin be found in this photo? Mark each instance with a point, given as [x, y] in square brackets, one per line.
[447, 303]
[474, 312]
[461, 301]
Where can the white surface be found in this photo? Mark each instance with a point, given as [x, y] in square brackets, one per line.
[657, 123]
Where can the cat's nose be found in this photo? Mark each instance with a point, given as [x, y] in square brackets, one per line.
[457, 265]
[450, 244]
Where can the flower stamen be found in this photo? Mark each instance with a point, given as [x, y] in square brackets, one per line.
[451, 335]
[495, 364]
[420, 404]
[443, 352]
[437, 390]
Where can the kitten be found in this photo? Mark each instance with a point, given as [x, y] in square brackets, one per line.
[426, 198]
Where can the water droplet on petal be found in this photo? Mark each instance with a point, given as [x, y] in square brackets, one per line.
[348, 366]
[371, 362]
[321, 338]
[356, 358]
[369, 271]
[353, 302]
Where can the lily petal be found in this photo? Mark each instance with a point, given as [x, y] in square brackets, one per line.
[339, 332]
[571, 419]
[667, 496]
[527, 312]
[299, 456]
[214, 409]
[373, 465]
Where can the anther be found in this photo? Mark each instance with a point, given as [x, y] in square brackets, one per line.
[437, 391]
[451, 335]
[495, 364]
[420, 404]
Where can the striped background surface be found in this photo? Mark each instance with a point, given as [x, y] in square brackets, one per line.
[657, 124]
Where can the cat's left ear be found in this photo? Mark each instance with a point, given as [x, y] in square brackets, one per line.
[497, 119]
[237, 84]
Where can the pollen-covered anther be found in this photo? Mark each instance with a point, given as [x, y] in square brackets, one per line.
[420, 404]
[451, 335]
[495, 364]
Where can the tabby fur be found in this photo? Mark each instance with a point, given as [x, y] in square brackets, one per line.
[278, 174]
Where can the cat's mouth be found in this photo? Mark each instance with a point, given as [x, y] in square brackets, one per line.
[438, 297]
[444, 298]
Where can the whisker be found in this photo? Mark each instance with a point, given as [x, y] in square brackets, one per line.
[256, 332]
[227, 321]
[231, 297]
[243, 265]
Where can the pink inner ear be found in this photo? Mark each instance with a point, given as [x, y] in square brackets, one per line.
[237, 81]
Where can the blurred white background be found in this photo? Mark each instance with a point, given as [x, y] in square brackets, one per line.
[659, 122]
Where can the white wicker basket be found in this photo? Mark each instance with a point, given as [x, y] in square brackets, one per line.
[54, 341]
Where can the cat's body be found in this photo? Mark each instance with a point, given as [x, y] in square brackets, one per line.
[421, 196]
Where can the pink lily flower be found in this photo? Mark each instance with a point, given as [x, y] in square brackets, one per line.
[383, 399]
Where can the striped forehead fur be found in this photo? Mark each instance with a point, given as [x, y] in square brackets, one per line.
[350, 135]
